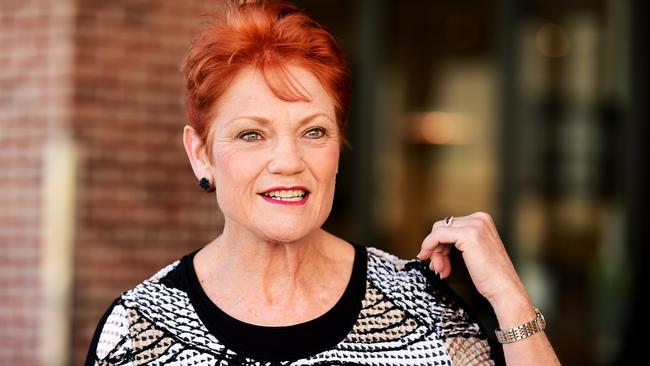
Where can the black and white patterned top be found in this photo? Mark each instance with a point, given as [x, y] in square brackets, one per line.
[393, 312]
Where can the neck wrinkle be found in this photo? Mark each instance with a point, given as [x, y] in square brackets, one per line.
[277, 271]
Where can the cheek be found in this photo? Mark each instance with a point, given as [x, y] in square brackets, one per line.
[234, 168]
[326, 164]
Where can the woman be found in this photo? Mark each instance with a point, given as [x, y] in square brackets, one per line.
[267, 97]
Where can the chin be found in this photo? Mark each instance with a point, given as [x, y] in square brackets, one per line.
[285, 238]
[279, 234]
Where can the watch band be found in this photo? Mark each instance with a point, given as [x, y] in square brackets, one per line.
[522, 331]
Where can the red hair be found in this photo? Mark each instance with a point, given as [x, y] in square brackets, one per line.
[267, 36]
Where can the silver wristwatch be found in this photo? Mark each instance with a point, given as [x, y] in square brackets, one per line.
[522, 331]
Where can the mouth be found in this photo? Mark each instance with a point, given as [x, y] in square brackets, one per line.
[286, 195]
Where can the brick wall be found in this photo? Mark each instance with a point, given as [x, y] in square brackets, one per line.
[35, 64]
[103, 74]
[138, 206]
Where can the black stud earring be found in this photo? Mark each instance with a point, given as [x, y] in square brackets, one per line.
[204, 183]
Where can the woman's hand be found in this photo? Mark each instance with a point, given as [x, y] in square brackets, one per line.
[486, 259]
[494, 277]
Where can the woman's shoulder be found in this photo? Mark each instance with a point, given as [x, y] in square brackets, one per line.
[161, 298]
[414, 287]
[165, 286]
[164, 281]
[407, 276]
[408, 280]
[384, 266]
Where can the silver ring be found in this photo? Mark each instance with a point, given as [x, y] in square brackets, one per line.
[448, 220]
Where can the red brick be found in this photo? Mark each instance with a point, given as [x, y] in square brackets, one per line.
[137, 203]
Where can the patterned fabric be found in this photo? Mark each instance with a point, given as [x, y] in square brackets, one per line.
[408, 317]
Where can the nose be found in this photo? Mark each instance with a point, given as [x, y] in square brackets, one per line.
[286, 157]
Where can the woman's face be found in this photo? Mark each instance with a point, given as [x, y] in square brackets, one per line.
[275, 162]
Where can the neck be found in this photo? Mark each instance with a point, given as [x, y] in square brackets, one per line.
[273, 273]
[274, 283]
[265, 260]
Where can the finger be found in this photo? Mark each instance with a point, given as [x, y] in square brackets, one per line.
[432, 264]
[432, 245]
[439, 240]
[440, 248]
[440, 264]
[437, 262]
[428, 249]
[456, 221]
[441, 223]
[446, 268]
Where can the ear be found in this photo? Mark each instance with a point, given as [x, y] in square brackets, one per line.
[196, 153]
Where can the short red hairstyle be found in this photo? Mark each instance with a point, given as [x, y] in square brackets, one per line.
[268, 36]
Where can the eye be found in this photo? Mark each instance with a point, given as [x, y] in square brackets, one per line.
[315, 133]
[250, 136]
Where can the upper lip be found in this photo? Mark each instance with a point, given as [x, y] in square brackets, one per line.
[301, 188]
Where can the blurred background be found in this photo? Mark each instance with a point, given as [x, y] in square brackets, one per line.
[530, 110]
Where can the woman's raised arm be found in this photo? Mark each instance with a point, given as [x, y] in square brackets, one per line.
[494, 276]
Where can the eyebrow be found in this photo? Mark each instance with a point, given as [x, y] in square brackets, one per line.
[266, 121]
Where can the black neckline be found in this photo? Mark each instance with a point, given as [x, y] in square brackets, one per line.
[286, 343]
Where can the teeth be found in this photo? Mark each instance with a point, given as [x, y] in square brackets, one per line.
[289, 199]
[287, 195]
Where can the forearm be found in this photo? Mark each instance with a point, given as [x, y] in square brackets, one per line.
[533, 350]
